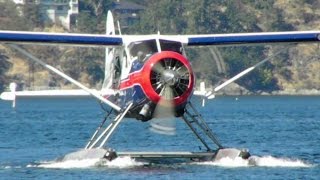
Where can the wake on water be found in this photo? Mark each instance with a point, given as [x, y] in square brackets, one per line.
[265, 161]
[120, 162]
[88, 158]
[127, 162]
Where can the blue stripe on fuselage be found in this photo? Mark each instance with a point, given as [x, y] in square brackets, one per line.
[133, 94]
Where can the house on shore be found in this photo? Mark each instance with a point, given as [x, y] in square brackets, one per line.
[62, 12]
[126, 12]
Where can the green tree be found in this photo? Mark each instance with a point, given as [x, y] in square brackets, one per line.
[10, 18]
[86, 24]
[79, 61]
[4, 66]
[31, 14]
[93, 15]
[98, 7]
[163, 16]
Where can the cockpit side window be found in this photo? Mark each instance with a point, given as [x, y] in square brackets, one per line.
[171, 46]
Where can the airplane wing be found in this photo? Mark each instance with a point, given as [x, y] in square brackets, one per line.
[24, 37]
[251, 38]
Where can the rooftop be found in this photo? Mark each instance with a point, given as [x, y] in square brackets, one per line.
[124, 5]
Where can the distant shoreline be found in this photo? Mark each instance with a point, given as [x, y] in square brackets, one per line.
[302, 92]
[237, 90]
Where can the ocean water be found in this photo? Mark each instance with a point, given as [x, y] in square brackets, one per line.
[282, 131]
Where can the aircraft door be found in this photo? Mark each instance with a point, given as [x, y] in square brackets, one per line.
[113, 66]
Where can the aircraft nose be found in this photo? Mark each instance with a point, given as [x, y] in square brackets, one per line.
[169, 77]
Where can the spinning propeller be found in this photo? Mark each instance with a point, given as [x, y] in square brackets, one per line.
[170, 78]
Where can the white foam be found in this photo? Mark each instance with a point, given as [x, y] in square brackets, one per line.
[265, 161]
[83, 163]
[121, 162]
[10, 167]
[269, 161]
[228, 162]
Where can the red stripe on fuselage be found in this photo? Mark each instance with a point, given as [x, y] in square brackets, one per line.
[134, 78]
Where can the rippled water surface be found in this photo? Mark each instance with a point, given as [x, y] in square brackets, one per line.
[283, 132]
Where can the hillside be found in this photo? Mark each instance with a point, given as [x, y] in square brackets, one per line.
[293, 71]
[304, 59]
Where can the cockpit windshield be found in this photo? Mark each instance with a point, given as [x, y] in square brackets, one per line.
[149, 47]
[144, 47]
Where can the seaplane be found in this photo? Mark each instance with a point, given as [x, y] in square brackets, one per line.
[149, 77]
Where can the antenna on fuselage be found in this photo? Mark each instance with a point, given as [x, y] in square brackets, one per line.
[119, 28]
[158, 42]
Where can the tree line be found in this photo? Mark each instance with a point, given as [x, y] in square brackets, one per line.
[169, 17]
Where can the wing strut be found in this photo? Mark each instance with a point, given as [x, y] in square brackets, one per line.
[196, 123]
[108, 130]
[246, 71]
[51, 68]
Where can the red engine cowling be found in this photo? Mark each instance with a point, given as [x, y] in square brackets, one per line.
[167, 70]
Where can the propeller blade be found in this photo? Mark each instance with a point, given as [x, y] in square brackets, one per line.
[165, 106]
[170, 79]
[163, 126]
[164, 122]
